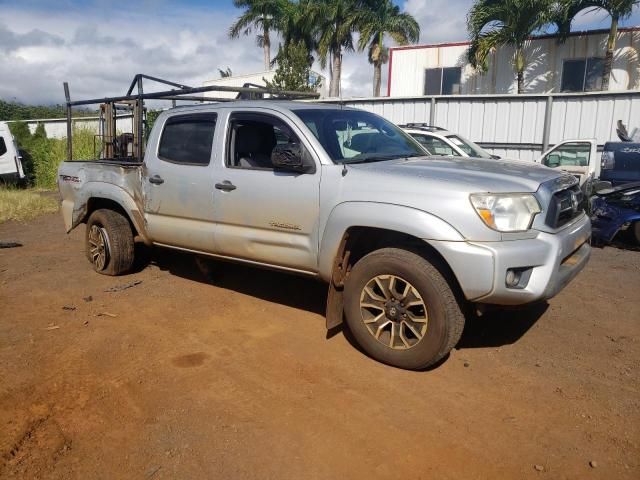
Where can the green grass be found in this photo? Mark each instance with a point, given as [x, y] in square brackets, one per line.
[24, 204]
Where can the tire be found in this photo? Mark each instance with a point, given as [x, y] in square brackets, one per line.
[636, 232]
[418, 344]
[111, 230]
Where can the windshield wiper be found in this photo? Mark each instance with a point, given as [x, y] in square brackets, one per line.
[380, 158]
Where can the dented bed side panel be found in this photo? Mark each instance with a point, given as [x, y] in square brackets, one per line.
[80, 183]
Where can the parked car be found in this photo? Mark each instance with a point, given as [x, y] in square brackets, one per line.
[10, 159]
[619, 162]
[616, 210]
[406, 242]
[578, 157]
[438, 141]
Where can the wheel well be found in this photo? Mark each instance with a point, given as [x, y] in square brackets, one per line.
[97, 203]
[360, 241]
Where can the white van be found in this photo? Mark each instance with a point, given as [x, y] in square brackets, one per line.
[10, 160]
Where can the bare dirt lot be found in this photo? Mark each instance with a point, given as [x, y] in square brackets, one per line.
[232, 376]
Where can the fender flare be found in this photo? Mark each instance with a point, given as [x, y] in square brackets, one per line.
[399, 218]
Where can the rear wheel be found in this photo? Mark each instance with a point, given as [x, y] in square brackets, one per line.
[109, 242]
[636, 232]
[401, 309]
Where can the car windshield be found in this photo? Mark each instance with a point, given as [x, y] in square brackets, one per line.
[468, 147]
[354, 136]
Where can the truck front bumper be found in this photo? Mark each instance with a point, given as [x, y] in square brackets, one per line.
[546, 264]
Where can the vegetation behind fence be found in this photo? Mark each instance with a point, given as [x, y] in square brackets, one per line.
[41, 156]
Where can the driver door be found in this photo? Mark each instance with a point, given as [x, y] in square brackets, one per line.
[264, 215]
[578, 157]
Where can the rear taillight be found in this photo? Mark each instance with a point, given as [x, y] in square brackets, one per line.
[608, 161]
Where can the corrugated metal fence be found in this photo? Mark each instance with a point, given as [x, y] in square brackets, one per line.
[515, 126]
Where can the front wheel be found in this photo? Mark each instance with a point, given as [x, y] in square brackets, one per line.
[401, 310]
[109, 242]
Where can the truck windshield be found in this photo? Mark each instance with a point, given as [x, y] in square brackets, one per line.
[468, 147]
[354, 136]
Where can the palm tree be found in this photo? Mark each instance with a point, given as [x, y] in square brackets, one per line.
[617, 9]
[495, 23]
[261, 15]
[295, 24]
[377, 18]
[335, 21]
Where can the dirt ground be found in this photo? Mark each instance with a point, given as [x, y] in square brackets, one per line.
[233, 376]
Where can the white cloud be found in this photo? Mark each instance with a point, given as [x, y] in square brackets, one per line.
[40, 50]
[440, 20]
[98, 47]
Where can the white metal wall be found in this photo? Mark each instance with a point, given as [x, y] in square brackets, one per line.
[514, 125]
[543, 74]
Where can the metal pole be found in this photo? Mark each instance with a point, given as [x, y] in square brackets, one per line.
[155, 79]
[69, 139]
[546, 130]
[139, 119]
[211, 88]
[432, 112]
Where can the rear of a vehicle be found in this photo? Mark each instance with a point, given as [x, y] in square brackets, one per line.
[620, 163]
[10, 161]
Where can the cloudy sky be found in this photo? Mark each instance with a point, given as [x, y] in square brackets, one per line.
[98, 45]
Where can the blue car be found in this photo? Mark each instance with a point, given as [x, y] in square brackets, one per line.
[615, 210]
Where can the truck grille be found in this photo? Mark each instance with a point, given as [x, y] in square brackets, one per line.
[565, 205]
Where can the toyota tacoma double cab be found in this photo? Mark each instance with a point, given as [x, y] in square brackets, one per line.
[406, 242]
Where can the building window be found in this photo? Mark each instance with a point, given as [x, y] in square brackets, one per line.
[582, 75]
[442, 81]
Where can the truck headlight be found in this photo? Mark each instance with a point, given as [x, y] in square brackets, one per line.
[506, 212]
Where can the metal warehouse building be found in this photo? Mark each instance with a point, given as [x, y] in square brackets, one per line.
[552, 67]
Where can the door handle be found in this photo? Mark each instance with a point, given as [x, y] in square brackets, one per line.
[226, 186]
[156, 180]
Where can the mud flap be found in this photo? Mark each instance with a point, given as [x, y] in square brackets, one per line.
[335, 309]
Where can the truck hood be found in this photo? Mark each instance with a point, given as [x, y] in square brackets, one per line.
[464, 174]
[441, 186]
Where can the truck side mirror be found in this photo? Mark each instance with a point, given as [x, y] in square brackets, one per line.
[288, 157]
[552, 160]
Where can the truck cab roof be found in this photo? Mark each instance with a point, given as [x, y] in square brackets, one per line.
[280, 105]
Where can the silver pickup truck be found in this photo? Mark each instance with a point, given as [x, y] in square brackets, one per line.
[406, 242]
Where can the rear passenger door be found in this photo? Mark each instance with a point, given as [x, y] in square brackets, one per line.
[178, 183]
[265, 215]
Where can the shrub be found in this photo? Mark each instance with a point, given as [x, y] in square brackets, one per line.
[41, 156]
[48, 153]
